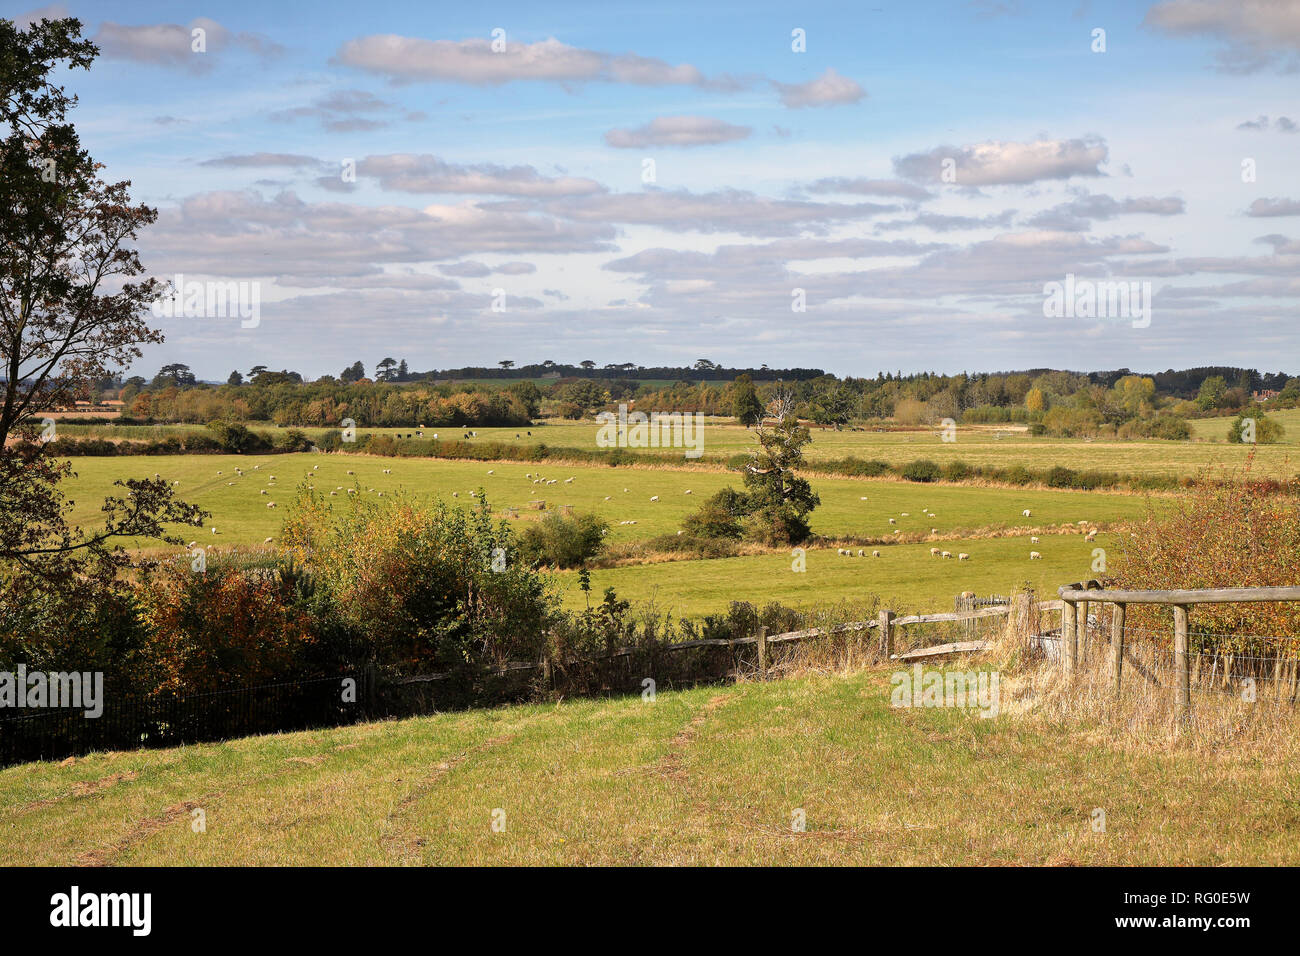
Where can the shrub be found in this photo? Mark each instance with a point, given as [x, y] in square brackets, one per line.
[956, 471]
[922, 470]
[718, 517]
[562, 541]
[1061, 477]
[1268, 431]
[1223, 533]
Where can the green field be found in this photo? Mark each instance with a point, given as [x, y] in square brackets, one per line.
[1216, 429]
[976, 445]
[713, 775]
[964, 517]
[907, 578]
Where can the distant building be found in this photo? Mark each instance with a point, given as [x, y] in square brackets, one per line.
[1265, 395]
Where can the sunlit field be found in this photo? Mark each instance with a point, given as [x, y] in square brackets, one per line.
[705, 776]
[872, 514]
[975, 445]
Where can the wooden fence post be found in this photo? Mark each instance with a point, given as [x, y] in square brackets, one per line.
[1182, 666]
[1081, 624]
[1117, 643]
[886, 633]
[1069, 634]
[762, 651]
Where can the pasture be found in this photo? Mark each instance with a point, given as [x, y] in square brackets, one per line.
[713, 775]
[984, 445]
[957, 518]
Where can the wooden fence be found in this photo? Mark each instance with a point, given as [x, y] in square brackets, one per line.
[1074, 625]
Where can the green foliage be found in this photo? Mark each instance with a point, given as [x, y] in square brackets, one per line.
[1268, 431]
[922, 470]
[562, 541]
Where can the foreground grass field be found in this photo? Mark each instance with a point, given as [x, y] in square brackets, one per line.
[706, 776]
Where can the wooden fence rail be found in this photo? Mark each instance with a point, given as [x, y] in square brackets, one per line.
[1074, 625]
[886, 625]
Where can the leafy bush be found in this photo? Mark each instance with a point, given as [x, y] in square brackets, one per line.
[562, 541]
[719, 516]
[922, 470]
[1268, 431]
[1223, 533]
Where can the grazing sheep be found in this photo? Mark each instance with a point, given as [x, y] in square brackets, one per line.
[905, 514]
[654, 497]
[687, 491]
[270, 504]
[229, 483]
[1035, 556]
[270, 477]
[934, 551]
[839, 550]
[934, 531]
[352, 491]
[1090, 536]
[333, 494]
[255, 467]
[1033, 539]
[214, 530]
[351, 472]
[1026, 513]
[860, 554]
[389, 471]
[607, 498]
[218, 473]
[491, 471]
[455, 494]
[569, 480]
[946, 554]
[893, 521]
[875, 554]
[315, 467]
[963, 556]
[624, 491]
[863, 498]
[175, 483]
[267, 540]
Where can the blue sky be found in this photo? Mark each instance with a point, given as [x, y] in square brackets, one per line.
[516, 176]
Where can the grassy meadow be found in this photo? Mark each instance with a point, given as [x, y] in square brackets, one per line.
[975, 445]
[972, 519]
[712, 775]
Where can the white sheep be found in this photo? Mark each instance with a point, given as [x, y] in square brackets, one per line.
[267, 540]
[350, 472]
[491, 471]
[687, 491]
[934, 531]
[654, 497]
[839, 550]
[1033, 539]
[1026, 513]
[860, 554]
[893, 521]
[963, 556]
[1090, 536]
[934, 552]
[270, 504]
[1035, 556]
[875, 554]
[905, 514]
[946, 554]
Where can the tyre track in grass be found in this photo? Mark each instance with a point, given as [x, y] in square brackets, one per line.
[142, 829]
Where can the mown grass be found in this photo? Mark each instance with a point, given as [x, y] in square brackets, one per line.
[241, 516]
[705, 776]
[985, 445]
[906, 577]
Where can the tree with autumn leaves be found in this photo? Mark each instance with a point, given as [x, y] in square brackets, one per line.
[72, 306]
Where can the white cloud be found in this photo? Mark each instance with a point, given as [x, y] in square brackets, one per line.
[1001, 163]
[829, 89]
[677, 131]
